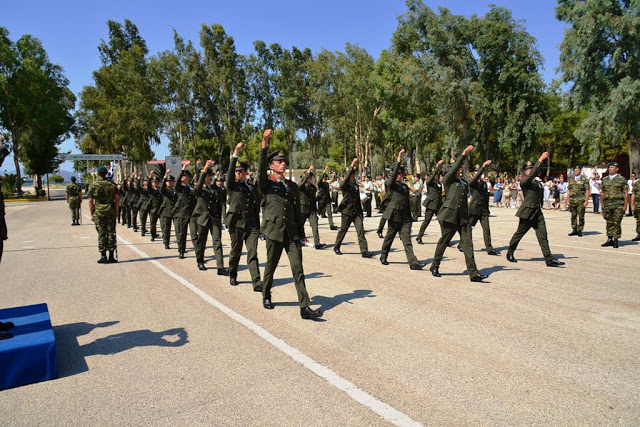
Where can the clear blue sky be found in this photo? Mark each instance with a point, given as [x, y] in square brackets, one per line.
[71, 30]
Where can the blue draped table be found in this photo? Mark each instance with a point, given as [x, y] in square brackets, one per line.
[30, 356]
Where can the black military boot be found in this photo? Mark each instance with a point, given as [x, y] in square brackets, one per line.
[166, 245]
[609, 242]
[573, 233]
[383, 259]
[435, 271]
[112, 258]
[201, 266]
[579, 233]
[615, 242]
[180, 255]
[103, 259]
[636, 239]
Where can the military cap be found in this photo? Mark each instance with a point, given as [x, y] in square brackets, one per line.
[187, 172]
[401, 169]
[476, 167]
[614, 164]
[324, 175]
[578, 167]
[276, 155]
[418, 175]
[527, 165]
[242, 166]
[155, 178]
[171, 178]
[102, 169]
[73, 179]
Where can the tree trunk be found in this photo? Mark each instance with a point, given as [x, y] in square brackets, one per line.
[16, 161]
[634, 154]
[571, 156]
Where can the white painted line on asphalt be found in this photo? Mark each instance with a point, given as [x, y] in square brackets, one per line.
[28, 247]
[382, 409]
[28, 241]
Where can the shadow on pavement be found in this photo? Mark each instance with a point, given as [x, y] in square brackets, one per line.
[71, 355]
[327, 303]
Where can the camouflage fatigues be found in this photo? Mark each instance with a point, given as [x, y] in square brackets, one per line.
[103, 193]
[636, 205]
[577, 191]
[73, 191]
[613, 204]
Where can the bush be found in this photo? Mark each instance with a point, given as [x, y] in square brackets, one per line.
[42, 192]
[56, 178]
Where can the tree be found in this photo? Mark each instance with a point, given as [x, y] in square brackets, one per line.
[35, 103]
[119, 113]
[600, 58]
[58, 179]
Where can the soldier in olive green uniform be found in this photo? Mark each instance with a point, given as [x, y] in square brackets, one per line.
[154, 204]
[530, 213]
[614, 194]
[479, 206]
[351, 210]
[125, 212]
[74, 198]
[433, 202]
[308, 205]
[165, 211]
[143, 200]
[635, 201]
[578, 198]
[182, 209]
[399, 215]
[104, 202]
[133, 200]
[282, 226]
[242, 220]
[454, 218]
[324, 199]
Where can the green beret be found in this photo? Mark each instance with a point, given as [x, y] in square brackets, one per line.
[73, 179]
[102, 169]
[614, 164]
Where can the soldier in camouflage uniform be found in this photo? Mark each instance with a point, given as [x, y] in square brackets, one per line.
[578, 198]
[104, 201]
[74, 198]
[614, 194]
[635, 201]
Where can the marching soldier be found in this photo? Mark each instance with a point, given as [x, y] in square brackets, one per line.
[143, 200]
[433, 202]
[183, 208]
[104, 201]
[635, 201]
[154, 204]
[530, 213]
[454, 218]
[165, 211]
[614, 194]
[74, 199]
[578, 198]
[242, 220]
[308, 205]
[335, 188]
[479, 206]
[416, 194]
[367, 189]
[134, 199]
[351, 210]
[398, 213]
[282, 226]
[124, 203]
[324, 199]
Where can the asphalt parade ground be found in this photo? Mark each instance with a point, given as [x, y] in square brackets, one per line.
[154, 341]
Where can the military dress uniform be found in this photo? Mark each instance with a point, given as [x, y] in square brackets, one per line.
[415, 198]
[479, 208]
[383, 220]
[75, 199]
[283, 230]
[578, 187]
[636, 208]
[134, 199]
[103, 192]
[454, 218]
[398, 214]
[182, 209]
[530, 215]
[433, 202]
[154, 207]
[243, 221]
[351, 210]
[613, 190]
[143, 200]
[215, 229]
[205, 213]
[308, 207]
[324, 201]
[165, 211]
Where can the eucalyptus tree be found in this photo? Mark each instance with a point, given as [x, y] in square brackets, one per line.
[35, 103]
[600, 58]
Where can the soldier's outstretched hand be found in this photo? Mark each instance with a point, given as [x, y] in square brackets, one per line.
[468, 149]
[353, 162]
[400, 154]
[544, 156]
[166, 174]
[439, 163]
[487, 163]
[265, 138]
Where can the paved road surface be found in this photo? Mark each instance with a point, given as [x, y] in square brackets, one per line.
[154, 341]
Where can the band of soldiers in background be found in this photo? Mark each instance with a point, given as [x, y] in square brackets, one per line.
[207, 201]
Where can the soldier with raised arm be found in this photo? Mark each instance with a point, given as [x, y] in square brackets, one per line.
[479, 206]
[282, 226]
[309, 205]
[433, 202]
[165, 211]
[530, 213]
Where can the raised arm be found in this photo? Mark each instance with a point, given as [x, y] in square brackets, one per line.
[263, 183]
[477, 176]
[396, 170]
[347, 179]
[451, 175]
[433, 173]
[534, 172]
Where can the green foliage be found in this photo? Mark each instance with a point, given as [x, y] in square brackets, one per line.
[10, 183]
[56, 178]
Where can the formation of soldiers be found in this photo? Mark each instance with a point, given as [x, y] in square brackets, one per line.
[197, 202]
